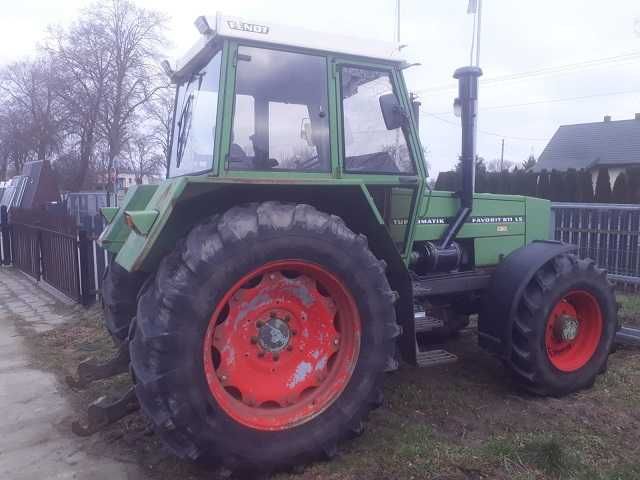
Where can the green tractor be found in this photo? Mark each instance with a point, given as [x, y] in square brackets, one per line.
[296, 253]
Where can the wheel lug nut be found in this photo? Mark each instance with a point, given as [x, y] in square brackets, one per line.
[223, 378]
[276, 356]
[336, 341]
[254, 340]
[261, 353]
[294, 332]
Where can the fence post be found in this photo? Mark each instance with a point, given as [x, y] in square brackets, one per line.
[6, 236]
[39, 260]
[83, 249]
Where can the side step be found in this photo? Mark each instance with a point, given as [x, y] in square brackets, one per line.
[431, 358]
[425, 323]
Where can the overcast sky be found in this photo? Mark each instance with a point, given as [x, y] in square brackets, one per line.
[518, 36]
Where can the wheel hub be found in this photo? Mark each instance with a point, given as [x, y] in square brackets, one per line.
[274, 335]
[573, 331]
[566, 328]
[281, 345]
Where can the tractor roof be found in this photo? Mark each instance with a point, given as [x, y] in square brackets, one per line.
[220, 25]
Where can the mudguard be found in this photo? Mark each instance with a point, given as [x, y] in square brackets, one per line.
[505, 290]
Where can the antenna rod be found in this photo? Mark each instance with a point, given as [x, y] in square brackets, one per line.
[398, 21]
[479, 30]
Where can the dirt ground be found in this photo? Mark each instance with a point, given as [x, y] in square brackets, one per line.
[464, 421]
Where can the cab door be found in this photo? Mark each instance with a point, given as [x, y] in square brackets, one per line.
[386, 158]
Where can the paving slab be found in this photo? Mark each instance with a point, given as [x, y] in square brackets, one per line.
[35, 439]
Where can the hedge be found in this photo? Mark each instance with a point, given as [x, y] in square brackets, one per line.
[570, 186]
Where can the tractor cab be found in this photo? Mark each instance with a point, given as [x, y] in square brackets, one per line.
[251, 99]
[264, 102]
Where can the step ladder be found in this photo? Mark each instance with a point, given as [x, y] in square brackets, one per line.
[425, 323]
[430, 357]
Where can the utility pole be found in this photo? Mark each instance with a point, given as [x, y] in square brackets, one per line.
[502, 156]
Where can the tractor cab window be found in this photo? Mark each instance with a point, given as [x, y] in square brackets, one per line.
[369, 145]
[194, 126]
[280, 112]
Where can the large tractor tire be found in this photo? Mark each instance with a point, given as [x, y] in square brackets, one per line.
[262, 340]
[564, 328]
[119, 299]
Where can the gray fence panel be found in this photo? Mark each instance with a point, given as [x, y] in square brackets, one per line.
[608, 233]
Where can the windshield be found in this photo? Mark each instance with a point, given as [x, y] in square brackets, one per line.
[194, 129]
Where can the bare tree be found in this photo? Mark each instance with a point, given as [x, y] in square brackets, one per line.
[83, 60]
[29, 95]
[135, 36]
[143, 158]
[107, 59]
[15, 139]
[4, 151]
[159, 112]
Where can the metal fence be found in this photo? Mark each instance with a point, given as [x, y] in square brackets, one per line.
[5, 237]
[25, 240]
[51, 248]
[608, 233]
[69, 259]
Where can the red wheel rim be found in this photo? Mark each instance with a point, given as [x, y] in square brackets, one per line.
[282, 345]
[573, 331]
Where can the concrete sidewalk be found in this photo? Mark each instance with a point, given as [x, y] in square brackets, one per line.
[35, 438]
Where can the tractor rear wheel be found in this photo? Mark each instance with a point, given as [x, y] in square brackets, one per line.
[262, 340]
[564, 327]
[119, 299]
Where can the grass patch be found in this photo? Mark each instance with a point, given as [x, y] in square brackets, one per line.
[524, 455]
[629, 309]
[623, 472]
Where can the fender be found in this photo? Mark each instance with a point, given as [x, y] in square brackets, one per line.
[183, 202]
[506, 286]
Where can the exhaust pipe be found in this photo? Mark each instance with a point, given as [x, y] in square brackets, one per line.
[467, 105]
[445, 255]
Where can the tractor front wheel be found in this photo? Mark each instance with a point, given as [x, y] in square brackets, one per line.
[564, 327]
[262, 340]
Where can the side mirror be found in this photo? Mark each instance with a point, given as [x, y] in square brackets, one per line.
[392, 112]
